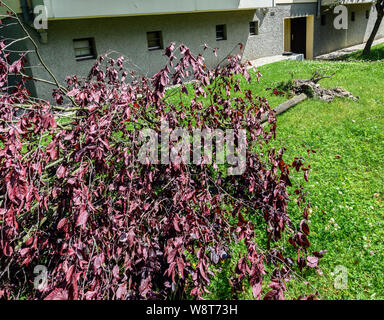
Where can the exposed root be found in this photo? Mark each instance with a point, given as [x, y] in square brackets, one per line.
[312, 88]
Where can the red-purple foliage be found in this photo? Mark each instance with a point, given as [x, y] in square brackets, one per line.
[74, 198]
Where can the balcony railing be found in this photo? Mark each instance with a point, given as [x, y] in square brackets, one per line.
[333, 2]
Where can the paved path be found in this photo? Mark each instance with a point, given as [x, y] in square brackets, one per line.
[267, 60]
[342, 52]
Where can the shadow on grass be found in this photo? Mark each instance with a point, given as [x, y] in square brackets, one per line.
[377, 54]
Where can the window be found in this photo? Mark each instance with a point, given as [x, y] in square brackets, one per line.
[84, 49]
[367, 14]
[221, 32]
[254, 28]
[323, 20]
[155, 40]
[353, 16]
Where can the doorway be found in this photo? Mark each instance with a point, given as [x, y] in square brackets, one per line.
[299, 35]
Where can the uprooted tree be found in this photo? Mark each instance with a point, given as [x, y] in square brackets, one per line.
[74, 198]
[312, 88]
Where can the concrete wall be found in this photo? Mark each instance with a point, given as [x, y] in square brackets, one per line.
[127, 35]
[328, 39]
[270, 40]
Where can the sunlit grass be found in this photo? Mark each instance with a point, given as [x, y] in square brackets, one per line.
[377, 53]
[346, 180]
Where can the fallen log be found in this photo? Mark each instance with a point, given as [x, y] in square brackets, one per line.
[285, 106]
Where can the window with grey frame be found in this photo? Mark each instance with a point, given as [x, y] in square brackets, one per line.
[155, 40]
[221, 32]
[85, 49]
[253, 28]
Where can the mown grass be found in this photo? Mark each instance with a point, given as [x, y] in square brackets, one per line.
[346, 180]
[377, 53]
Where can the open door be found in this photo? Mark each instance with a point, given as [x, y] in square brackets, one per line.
[299, 35]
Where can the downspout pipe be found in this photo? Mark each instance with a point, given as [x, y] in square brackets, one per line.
[26, 11]
[318, 9]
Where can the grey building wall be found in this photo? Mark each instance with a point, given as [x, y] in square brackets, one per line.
[127, 36]
[328, 39]
[270, 40]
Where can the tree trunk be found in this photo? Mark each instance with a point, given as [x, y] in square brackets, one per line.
[379, 19]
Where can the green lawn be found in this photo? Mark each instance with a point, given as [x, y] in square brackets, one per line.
[347, 191]
[377, 53]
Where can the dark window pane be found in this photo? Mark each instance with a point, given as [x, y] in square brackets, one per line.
[154, 40]
[254, 28]
[84, 49]
[221, 32]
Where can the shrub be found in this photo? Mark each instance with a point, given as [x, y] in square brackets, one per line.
[74, 198]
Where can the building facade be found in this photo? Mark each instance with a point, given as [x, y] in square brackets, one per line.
[80, 30]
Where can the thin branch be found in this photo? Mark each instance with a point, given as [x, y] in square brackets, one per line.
[34, 44]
